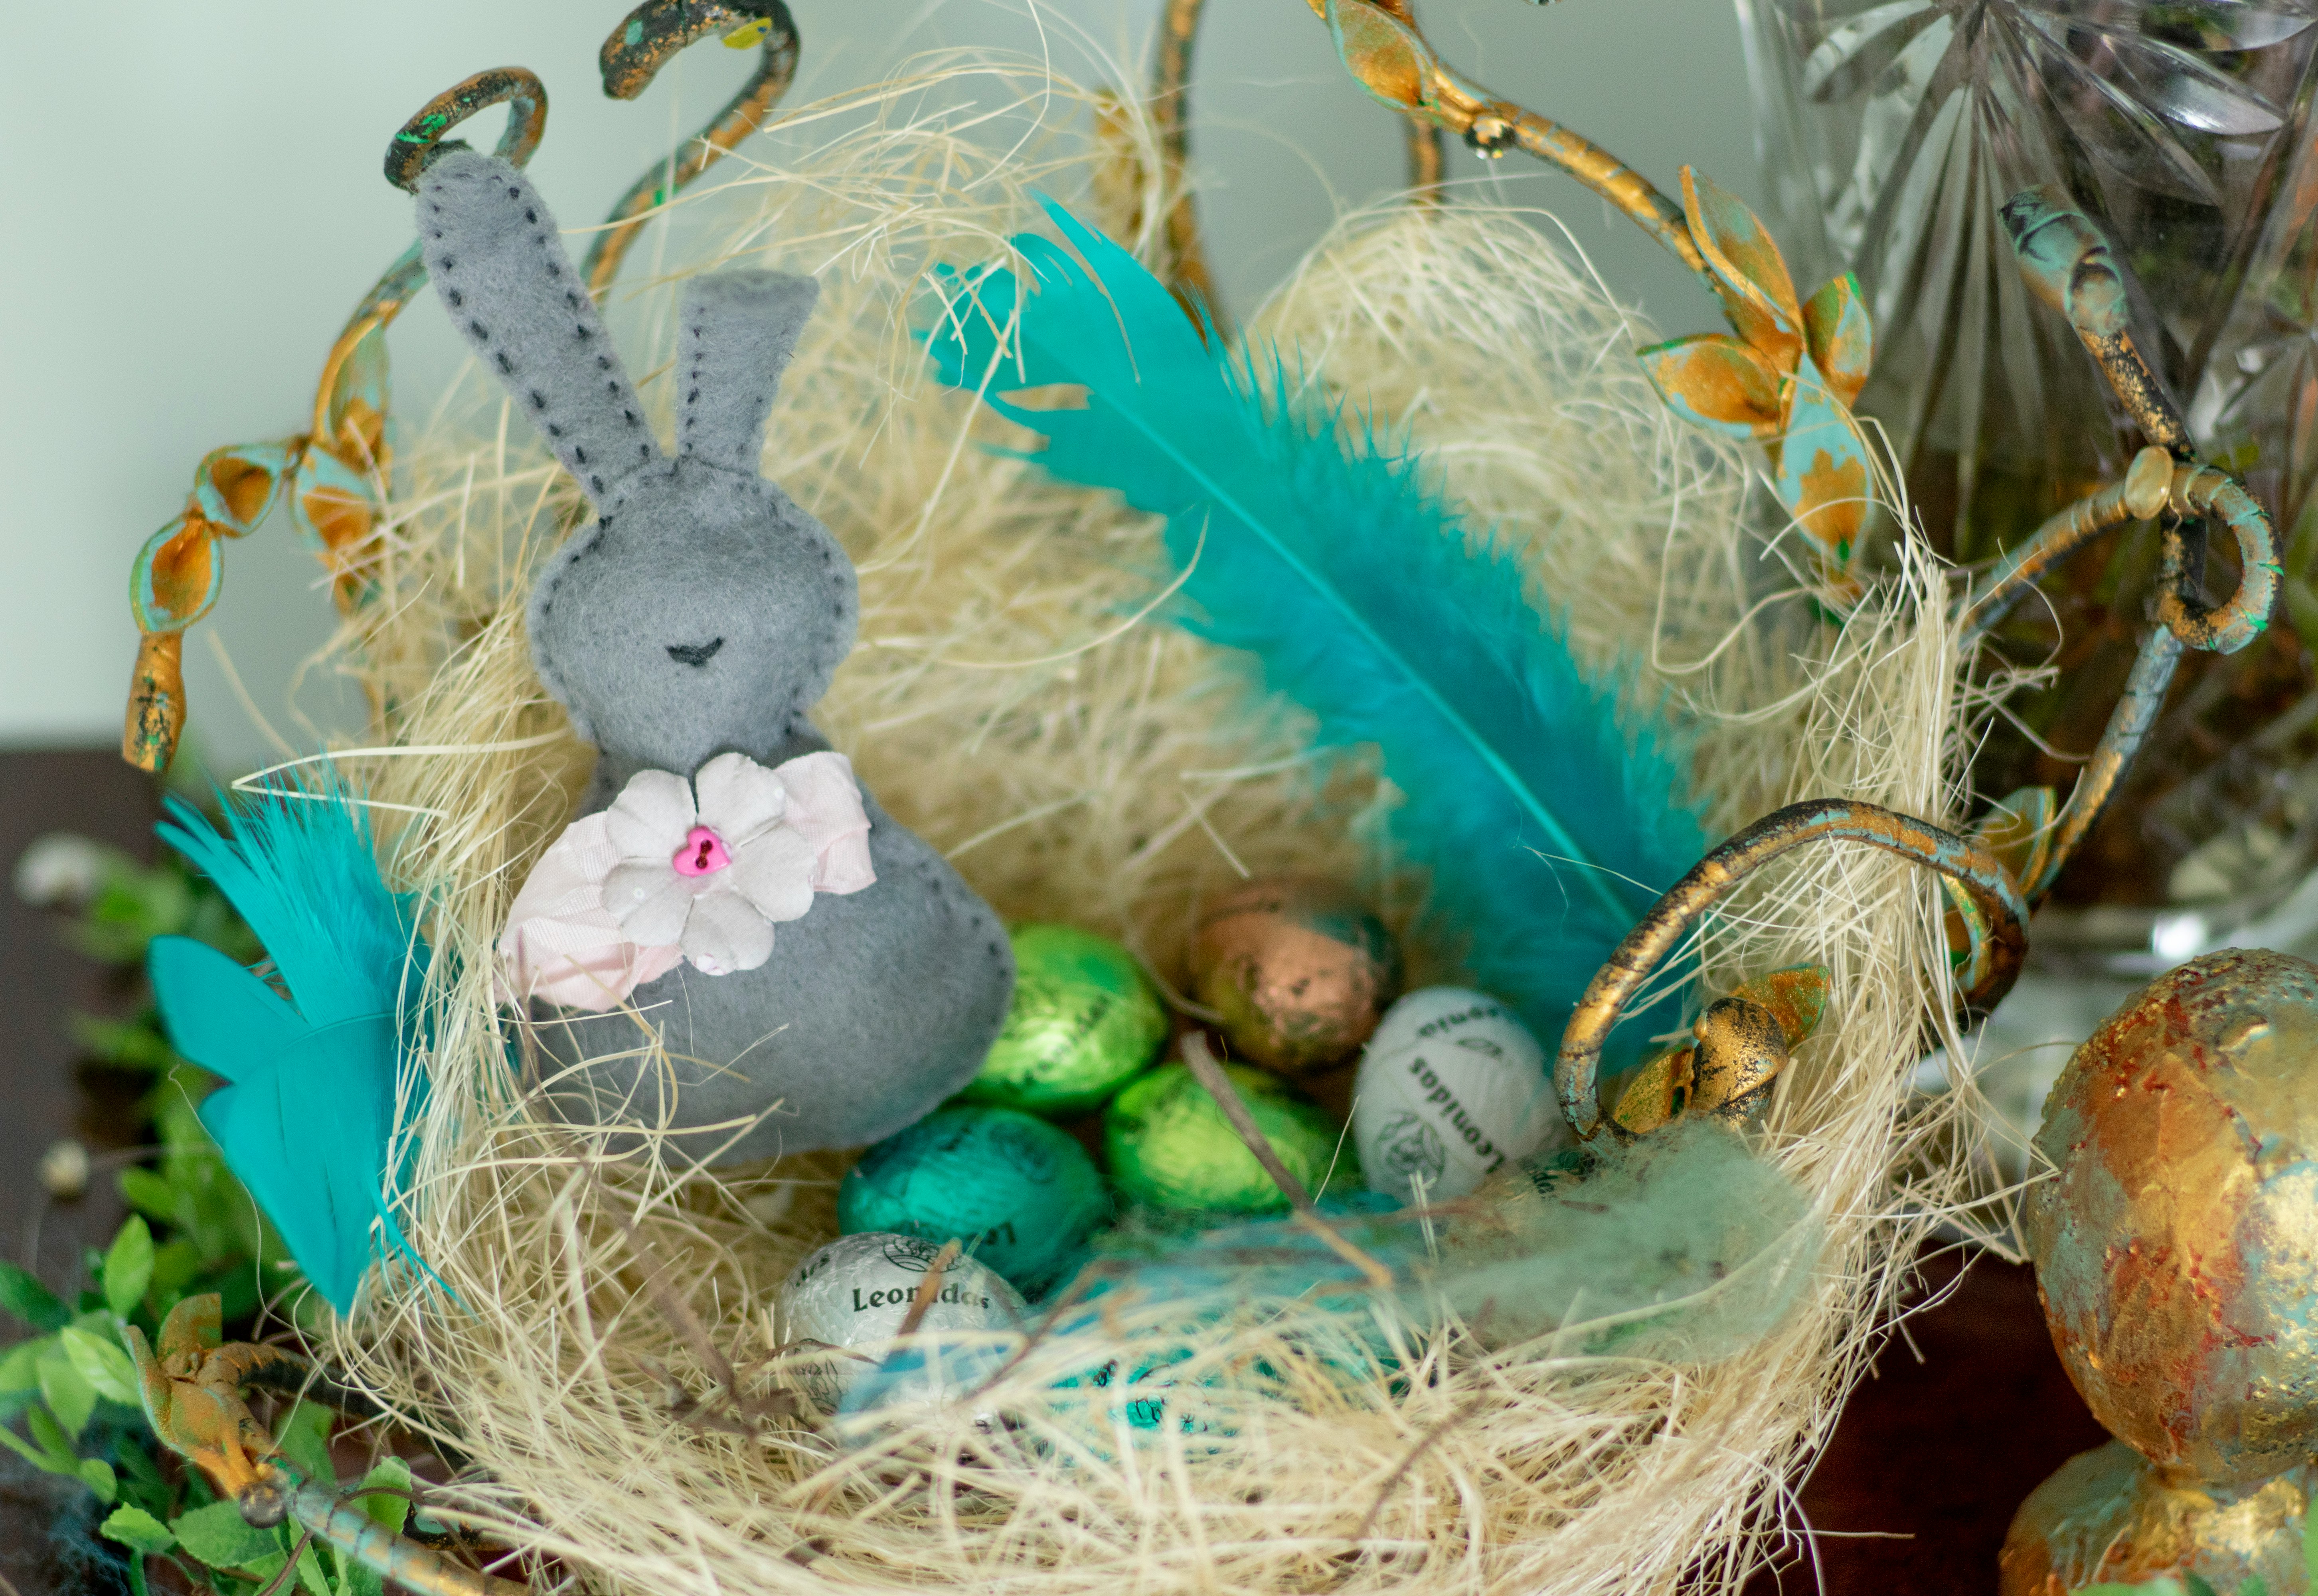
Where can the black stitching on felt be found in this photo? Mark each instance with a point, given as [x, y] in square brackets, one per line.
[529, 214]
[538, 400]
[632, 417]
[482, 333]
[579, 455]
[604, 364]
[693, 398]
[514, 192]
[555, 431]
[447, 264]
[506, 366]
[572, 297]
[456, 297]
[596, 484]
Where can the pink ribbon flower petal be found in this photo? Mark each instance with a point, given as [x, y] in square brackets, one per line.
[725, 933]
[739, 798]
[825, 809]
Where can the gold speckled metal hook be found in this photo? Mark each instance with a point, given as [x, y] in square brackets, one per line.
[651, 36]
[1992, 890]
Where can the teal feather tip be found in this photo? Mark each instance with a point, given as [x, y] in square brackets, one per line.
[1549, 819]
[308, 1112]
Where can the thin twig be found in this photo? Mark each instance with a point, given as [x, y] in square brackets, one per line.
[1210, 1074]
[746, 1414]
[1400, 1471]
[922, 1300]
[289, 1569]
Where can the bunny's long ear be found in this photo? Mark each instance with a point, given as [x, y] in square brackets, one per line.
[740, 328]
[493, 254]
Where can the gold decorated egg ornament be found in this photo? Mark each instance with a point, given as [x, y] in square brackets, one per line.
[2177, 1259]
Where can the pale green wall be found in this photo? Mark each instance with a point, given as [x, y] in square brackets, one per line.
[191, 204]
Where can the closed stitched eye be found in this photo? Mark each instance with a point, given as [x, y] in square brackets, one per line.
[694, 654]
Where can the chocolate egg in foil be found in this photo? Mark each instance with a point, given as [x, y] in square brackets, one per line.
[853, 1296]
[1084, 1020]
[1452, 1088]
[1169, 1146]
[1019, 1193]
[1298, 968]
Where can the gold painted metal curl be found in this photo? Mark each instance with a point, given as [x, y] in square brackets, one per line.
[331, 473]
[1984, 879]
[1385, 52]
[651, 36]
[1186, 264]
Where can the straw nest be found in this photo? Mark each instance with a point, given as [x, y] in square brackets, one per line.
[608, 1325]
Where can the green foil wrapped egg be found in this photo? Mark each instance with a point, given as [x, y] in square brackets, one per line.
[1085, 1018]
[1169, 1146]
[1020, 1195]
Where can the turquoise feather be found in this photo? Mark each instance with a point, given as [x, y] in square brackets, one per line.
[307, 1111]
[1548, 822]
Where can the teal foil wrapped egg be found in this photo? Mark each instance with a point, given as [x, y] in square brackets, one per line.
[1169, 1146]
[1020, 1196]
[1084, 1020]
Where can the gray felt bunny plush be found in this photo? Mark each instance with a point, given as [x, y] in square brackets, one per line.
[690, 631]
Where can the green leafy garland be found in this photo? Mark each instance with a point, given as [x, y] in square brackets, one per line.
[193, 1229]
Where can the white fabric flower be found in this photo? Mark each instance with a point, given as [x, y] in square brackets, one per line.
[699, 870]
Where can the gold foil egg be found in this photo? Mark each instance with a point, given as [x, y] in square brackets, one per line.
[1300, 969]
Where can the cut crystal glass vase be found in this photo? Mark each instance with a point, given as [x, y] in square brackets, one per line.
[1894, 130]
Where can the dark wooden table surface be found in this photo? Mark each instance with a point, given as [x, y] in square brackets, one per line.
[1963, 1415]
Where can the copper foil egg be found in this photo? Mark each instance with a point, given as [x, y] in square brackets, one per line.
[1300, 969]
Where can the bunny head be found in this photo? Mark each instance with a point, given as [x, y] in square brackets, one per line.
[703, 611]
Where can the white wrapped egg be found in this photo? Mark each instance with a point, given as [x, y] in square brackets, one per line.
[854, 1294]
[1450, 1088]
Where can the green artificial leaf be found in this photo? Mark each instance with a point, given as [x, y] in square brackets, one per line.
[137, 1529]
[2254, 1586]
[141, 1484]
[218, 1535]
[176, 1262]
[96, 1473]
[104, 1363]
[2198, 1586]
[18, 1367]
[38, 1456]
[304, 1438]
[129, 1266]
[23, 1295]
[70, 1397]
[124, 1044]
[311, 1575]
[150, 1193]
[53, 1439]
[389, 1509]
